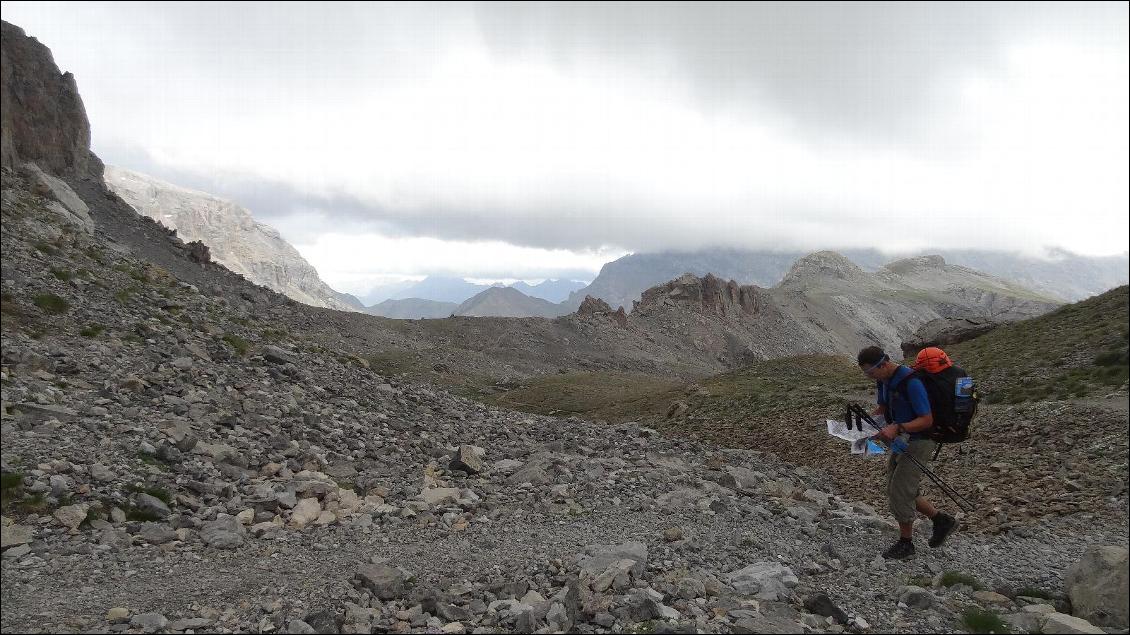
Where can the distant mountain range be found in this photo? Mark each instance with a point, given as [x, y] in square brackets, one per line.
[1063, 276]
[258, 252]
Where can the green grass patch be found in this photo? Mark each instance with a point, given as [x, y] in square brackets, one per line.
[923, 581]
[237, 343]
[612, 396]
[1033, 592]
[94, 330]
[51, 303]
[394, 362]
[951, 578]
[11, 480]
[61, 274]
[979, 620]
[46, 248]
[156, 492]
[125, 295]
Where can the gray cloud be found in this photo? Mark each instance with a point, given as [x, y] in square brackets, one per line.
[637, 126]
[872, 70]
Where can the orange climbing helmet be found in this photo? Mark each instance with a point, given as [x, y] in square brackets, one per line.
[932, 360]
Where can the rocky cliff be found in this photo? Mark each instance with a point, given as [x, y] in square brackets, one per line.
[42, 119]
[236, 240]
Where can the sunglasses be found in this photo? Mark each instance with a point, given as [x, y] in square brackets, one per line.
[879, 363]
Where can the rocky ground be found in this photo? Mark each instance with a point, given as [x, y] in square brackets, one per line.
[175, 461]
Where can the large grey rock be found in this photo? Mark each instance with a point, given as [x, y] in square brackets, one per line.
[440, 495]
[1067, 624]
[12, 535]
[65, 203]
[1098, 586]
[821, 604]
[740, 479]
[149, 622]
[226, 532]
[946, 331]
[277, 355]
[151, 505]
[71, 516]
[765, 580]
[916, 597]
[468, 458]
[383, 581]
[600, 557]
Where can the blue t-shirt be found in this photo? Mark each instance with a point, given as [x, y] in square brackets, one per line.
[900, 410]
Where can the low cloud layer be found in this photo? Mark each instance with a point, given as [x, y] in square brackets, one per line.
[601, 128]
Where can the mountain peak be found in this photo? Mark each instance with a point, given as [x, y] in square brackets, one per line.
[916, 263]
[822, 266]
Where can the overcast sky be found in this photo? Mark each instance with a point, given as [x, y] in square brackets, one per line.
[525, 141]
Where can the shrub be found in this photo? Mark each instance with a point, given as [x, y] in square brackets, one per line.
[61, 274]
[51, 303]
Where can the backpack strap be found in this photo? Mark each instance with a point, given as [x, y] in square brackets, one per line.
[903, 389]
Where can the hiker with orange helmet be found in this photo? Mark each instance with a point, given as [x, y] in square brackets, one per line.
[902, 399]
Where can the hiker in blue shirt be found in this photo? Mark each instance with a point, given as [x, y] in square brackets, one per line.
[907, 410]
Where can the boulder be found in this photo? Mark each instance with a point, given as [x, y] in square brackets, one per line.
[1097, 586]
[601, 557]
[765, 580]
[1067, 624]
[383, 581]
[468, 458]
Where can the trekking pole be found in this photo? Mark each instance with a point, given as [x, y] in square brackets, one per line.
[861, 415]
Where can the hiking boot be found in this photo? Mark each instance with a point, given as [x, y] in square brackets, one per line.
[944, 524]
[904, 548]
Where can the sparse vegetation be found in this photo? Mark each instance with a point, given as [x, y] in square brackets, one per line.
[237, 343]
[156, 492]
[951, 578]
[94, 330]
[1033, 592]
[979, 620]
[1079, 350]
[10, 481]
[61, 274]
[51, 303]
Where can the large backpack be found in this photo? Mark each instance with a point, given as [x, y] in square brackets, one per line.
[953, 402]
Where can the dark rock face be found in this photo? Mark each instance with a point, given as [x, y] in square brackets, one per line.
[945, 331]
[712, 294]
[595, 307]
[43, 118]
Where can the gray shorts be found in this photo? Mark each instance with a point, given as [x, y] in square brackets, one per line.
[903, 478]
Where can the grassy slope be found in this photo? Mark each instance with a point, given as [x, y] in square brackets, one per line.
[1078, 350]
